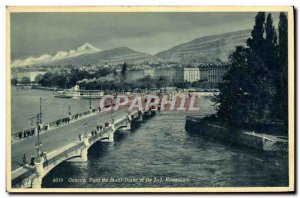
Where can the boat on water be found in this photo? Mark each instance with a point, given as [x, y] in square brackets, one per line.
[62, 94]
[76, 93]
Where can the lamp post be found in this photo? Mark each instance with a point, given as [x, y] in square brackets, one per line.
[38, 127]
[85, 126]
[111, 113]
[38, 144]
[90, 100]
[40, 110]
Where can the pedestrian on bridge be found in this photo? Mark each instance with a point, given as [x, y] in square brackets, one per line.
[39, 128]
[32, 132]
[45, 158]
[20, 135]
[28, 133]
[24, 160]
[32, 161]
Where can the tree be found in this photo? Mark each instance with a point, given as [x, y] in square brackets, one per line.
[247, 93]
[25, 80]
[282, 53]
[14, 81]
[124, 68]
[38, 78]
[241, 99]
[102, 72]
[257, 41]
[47, 80]
[123, 71]
[270, 46]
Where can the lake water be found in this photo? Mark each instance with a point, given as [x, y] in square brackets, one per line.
[26, 104]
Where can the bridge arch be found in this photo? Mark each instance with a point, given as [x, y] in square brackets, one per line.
[76, 151]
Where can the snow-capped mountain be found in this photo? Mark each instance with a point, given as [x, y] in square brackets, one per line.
[86, 48]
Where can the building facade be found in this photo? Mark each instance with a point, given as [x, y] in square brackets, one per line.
[212, 74]
[171, 74]
[191, 74]
[175, 75]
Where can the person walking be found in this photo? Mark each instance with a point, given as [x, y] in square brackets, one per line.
[20, 135]
[24, 161]
[45, 158]
[32, 161]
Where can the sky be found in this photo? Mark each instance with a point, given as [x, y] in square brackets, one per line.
[35, 34]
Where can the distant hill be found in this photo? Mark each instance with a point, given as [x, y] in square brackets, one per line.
[112, 56]
[206, 49]
[203, 49]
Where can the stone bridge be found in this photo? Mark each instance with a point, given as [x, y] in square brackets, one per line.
[31, 176]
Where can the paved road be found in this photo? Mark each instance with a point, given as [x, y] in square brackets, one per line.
[60, 137]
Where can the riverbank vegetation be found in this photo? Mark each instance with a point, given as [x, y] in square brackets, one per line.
[255, 89]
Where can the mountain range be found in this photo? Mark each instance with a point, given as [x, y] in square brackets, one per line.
[112, 56]
[203, 49]
[206, 49]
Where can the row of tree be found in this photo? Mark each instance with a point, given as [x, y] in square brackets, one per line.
[255, 89]
[145, 83]
[64, 79]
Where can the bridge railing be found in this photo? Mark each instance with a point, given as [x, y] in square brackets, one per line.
[65, 154]
[93, 138]
[15, 136]
[62, 155]
[17, 181]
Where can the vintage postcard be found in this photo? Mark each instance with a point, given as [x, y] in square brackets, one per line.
[150, 99]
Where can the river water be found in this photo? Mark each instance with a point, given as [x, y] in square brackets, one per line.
[155, 153]
[160, 153]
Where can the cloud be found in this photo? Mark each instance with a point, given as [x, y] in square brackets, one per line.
[84, 49]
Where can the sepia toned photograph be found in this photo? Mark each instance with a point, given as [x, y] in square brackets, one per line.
[150, 99]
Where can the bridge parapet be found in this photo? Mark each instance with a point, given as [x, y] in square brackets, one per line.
[31, 176]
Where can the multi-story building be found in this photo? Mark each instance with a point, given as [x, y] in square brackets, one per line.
[171, 74]
[212, 74]
[191, 74]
